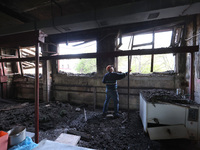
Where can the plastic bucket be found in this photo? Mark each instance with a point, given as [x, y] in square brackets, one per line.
[3, 140]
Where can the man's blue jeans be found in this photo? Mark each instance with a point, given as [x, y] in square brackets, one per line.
[111, 94]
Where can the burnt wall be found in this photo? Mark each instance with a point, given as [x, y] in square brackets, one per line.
[197, 65]
[105, 43]
[89, 89]
[193, 38]
[24, 88]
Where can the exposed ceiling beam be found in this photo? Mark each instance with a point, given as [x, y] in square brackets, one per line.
[185, 49]
[21, 39]
[14, 14]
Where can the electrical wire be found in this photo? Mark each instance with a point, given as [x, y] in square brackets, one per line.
[192, 37]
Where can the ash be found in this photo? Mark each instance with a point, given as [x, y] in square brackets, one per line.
[167, 96]
[98, 132]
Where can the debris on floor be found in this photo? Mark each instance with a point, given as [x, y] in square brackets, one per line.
[98, 132]
[168, 96]
[68, 139]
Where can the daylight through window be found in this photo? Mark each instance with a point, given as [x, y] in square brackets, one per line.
[142, 63]
[29, 66]
[80, 66]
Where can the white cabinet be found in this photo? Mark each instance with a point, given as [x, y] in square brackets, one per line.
[171, 115]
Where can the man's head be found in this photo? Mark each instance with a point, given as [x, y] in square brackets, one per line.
[110, 68]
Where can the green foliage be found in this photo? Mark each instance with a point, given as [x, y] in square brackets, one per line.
[142, 64]
[86, 66]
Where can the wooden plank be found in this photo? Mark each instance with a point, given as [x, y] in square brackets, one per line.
[83, 135]
[19, 63]
[52, 145]
[168, 132]
[15, 107]
[68, 139]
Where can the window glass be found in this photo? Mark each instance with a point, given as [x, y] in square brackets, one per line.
[163, 62]
[139, 64]
[82, 66]
[126, 43]
[162, 39]
[143, 38]
[142, 64]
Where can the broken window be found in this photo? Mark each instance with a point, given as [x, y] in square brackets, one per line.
[80, 66]
[144, 63]
[28, 67]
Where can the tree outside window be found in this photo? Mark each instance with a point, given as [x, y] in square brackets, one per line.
[79, 66]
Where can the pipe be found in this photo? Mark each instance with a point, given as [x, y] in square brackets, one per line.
[152, 56]
[128, 82]
[36, 93]
[192, 76]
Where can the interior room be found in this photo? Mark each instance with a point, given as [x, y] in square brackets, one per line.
[56, 54]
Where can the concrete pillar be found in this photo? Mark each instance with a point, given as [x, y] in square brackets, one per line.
[54, 69]
[46, 70]
[105, 43]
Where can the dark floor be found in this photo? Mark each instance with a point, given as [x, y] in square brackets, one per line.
[103, 133]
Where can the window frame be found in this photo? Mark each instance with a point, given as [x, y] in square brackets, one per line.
[180, 29]
[25, 52]
[73, 73]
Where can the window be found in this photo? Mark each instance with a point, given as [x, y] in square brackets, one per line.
[29, 66]
[80, 66]
[163, 62]
[142, 63]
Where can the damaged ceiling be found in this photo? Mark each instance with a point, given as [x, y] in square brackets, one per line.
[61, 16]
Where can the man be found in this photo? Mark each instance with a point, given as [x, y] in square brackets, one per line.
[110, 79]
